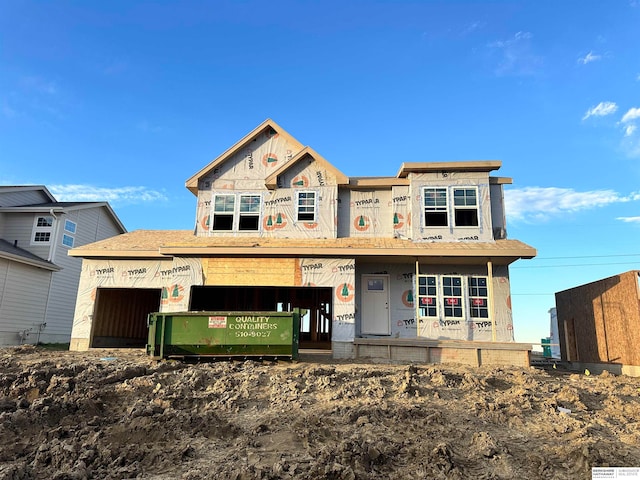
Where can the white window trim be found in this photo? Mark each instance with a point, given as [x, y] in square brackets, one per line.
[42, 229]
[437, 209]
[236, 213]
[475, 207]
[466, 298]
[75, 226]
[66, 235]
[314, 206]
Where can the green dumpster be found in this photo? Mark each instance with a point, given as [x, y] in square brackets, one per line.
[546, 347]
[226, 334]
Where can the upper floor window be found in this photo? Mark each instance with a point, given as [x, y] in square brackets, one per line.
[70, 226]
[67, 240]
[223, 209]
[465, 205]
[306, 206]
[242, 215]
[249, 212]
[42, 230]
[435, 207]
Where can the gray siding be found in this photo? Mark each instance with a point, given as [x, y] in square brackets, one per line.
[92, 225]
[23, 298]
[22, 197]
[19, 226]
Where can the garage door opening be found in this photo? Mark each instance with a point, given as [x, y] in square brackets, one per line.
[314, 302]
[120, 316]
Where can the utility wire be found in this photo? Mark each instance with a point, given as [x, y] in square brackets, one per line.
[574, 265]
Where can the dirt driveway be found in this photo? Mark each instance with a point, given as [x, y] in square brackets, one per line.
[118, 415]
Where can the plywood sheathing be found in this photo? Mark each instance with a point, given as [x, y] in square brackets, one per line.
[162, 243]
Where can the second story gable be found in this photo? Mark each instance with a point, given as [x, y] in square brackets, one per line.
[269, 185]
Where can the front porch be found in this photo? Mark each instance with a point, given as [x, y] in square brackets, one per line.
[421, 350]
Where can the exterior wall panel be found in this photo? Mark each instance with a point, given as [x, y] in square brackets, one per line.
[600, 321]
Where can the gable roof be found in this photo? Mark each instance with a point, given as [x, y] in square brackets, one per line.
[17, 254]
[272, 180]
[192, 183]
[28, 188]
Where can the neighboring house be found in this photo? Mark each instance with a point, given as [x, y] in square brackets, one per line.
[413, 266]
[599, 324]
[38, 280]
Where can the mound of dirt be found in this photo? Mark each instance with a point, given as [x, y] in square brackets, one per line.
[118, 415]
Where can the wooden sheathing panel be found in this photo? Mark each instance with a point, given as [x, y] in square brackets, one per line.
[280, 272]
[603, 318]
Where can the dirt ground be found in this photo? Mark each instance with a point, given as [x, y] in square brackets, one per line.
[118, 415]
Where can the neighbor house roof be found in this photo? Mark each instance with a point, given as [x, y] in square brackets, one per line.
[61, 207]
[13, 252]
[161, 243]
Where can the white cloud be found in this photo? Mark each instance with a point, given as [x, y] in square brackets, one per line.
[541, 203]
[601, 110]
[629, 219]
[629, 129]
[516, 55]
[589, 57]
[115, 196]
[632, 114]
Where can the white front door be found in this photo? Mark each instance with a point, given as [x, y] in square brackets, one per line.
[374, 316]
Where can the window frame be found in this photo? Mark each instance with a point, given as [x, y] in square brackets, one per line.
[472, 288]
[65, 237]
[234, 214]
[464, 207]
[478, 303]
[70, 226]
[428, 295]
[302, 208]
[224, 213]
[435, 209]
[252, 214]
[42, 230]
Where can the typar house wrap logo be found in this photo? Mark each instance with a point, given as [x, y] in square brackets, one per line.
[300, 181]
[269, 159]
[362, 223]
[274, 222]
[345, 292]
[172, 294]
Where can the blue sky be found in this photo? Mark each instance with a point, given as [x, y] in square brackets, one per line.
[123, 101]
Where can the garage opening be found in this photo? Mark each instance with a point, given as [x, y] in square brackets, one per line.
[120, 316]
[314, 302]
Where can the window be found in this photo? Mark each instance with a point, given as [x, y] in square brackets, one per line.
[427, 296]
[231, 215]
[465, 205]
[478, 297]
[42, 229]
[249, 212]
[306, 206]
[435, 207]
[67, 240]
[452, 293]
[70, 226]
[453, 297]
[223, 209]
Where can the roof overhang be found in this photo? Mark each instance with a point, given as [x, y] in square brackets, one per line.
[469, 166]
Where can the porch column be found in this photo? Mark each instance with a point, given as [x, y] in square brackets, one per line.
[492, 310]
